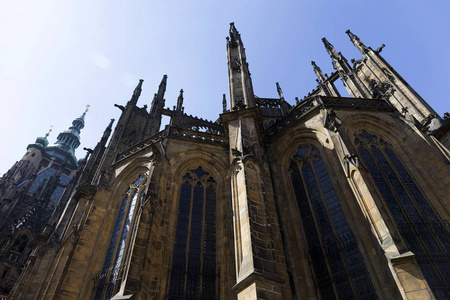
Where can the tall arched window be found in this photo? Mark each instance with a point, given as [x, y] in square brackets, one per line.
[17, 250]
[117, 254]
[193, 271]
[421, 229]
[337, 265]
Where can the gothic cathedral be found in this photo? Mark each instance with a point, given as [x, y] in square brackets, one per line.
[330, 198]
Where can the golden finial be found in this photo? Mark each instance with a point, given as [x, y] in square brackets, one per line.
[50, 130]
[87, 108]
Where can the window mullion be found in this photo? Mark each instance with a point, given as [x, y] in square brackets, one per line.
[411, 198]
[116, 247]
[330, 221]
[399, 203]
[202, 245]
[324, 255]
[130, 236]
[188, 239]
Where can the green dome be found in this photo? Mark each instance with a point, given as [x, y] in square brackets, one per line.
[42, 141]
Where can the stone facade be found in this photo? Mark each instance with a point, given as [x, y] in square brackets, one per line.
[330, 198]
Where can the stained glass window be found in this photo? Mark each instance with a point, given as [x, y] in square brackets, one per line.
[109, 280]
[422, 231]
[193, 271]
[337, 265]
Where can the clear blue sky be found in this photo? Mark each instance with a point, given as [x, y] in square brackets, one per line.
[58, 56]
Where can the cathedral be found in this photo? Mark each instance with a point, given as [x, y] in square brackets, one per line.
[331, 198]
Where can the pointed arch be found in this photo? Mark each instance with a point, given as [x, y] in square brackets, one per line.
[421, 229]
[337, 264]
[193, 268]
[130, 186]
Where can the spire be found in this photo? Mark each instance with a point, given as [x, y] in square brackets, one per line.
[70, 139]
[235, 37]
[158, 100]
[224, 104]
[137, 92]
[240, 82]
[67, 141]
[42, 140]
[330, 49]
[108, 129]
[280, 92]
[162, 86]
[180, 101]
[357, 42]
[318, 71]
[340, 63]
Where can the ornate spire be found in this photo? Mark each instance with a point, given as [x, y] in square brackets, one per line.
[158, 100]
[180, 101]
[240, 82]
[162, 86]
[340, 63]
[330, 49]
[70, 139]
[280, 92]
[357, 42]
[136, 93]
[224, 104]
[318, 71]
[63, 151]
[42, 140]
[235, 37]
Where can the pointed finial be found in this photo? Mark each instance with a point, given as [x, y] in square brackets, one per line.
[138, 89]
[110, 124]
[330, 49]
[162, 86]
[235, 37]
[180, 100]
[357, 42]
[49, 130]
[318, 71]
[87, 108]
[352, 36]
[280, 92]
[224, 104]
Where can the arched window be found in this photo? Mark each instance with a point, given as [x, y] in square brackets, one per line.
[117, 254]
[17, 249]
[337, 265]
[193, 271]
[421, 229]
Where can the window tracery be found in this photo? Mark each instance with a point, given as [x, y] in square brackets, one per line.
[117, 254]
[422, 231]
[337, 264]
[193, 270]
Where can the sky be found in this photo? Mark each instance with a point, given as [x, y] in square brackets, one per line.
[57, 56]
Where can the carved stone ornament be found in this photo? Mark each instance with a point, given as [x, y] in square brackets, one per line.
[430, 123]
[408, 116]
[236, 65]
[352, 159]
[239, 104]
[246, 151]
[331, 121]
[379, 49]
[381, 90]
[388, 74]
